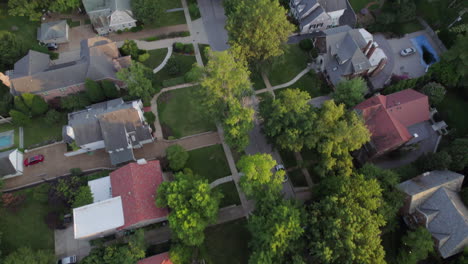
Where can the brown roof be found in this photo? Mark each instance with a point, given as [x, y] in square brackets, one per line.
[387, 117]
[162, 258]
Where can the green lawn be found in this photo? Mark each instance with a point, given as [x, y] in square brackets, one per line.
[287, 66]
[312, 84]
[72, 23]
[25, 225]
[227, 243]
[452, 110]
[185, 64]
[156, 58]
[359, 4]
[39, 132]
[297, 178]
[180, 115]
[209, 162]
[6, 127]
[168, 19]
[230, 194]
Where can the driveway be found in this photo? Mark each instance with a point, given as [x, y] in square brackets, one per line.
[212, 12]
[66, 245]
[379, 81]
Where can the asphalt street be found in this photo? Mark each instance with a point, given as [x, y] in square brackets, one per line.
[214, 20]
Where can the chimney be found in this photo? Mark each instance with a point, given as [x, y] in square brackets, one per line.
[366, 48]
[371, 51]
[141, 162]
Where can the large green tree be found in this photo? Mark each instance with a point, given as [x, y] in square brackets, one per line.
[459, 153]
[11, 50]
[193, 206]
[94, 91]
[435, 92]
[457, 56]
[237, 124]
[345, 224]
[258, 28]
[336, 132]
[288, 119]
[27, 255]
[34, 8]
[177, 157]
[147, 11]
[138, 80]
[350, 92]
[417, 245]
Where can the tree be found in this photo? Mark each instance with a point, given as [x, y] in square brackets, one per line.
[350, 92]
[29, 8]
[82, 197]
[258, 179]
[52, 117]
[275, 227]
[417, 246]
[457, 56]
[237, 124]
[19, 118]
[64, 5]
[180, 253]
[21, 106]
[39, 106]
[434, 161]
[193, 206]
[306, 44]
[66, 188]
[288, 120]
[435, 92]
[74, 102]
[149, 117]
[459, 153]
[109, 89]
[258, 28]
[147, 11]
[138, 80]
[344, 224]
[6, 103]
[130, 48]
[335, 134]
[94, 91]
[177, 157]
[392, 197]
[27, 255]
[11, 50]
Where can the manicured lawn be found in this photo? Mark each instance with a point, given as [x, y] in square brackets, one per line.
[453, 112]
[6, 127]
[297, 178]
[180, 115]
[156, 58]
[311, 83]
[290, 64]
[257, 81]
[25, 224]
[185, 64]
[227, 243]
[230, 194]
[168, 19]
[209, 162]
[38, 131]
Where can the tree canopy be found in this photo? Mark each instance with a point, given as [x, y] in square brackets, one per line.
[147, 11]
[33, 8]
[27, 255]
[350, 92]
[177, 157]
[237, 124]
[94, 91]
[435, 92]
[458, 151]
[417, 246]
[11, 50]
[193, 206]
[138, 80]
[259, 28]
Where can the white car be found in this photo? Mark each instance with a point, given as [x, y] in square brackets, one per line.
[407, 52]
[67, 260]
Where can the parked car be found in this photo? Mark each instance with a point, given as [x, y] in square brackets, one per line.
[407, 52]
[52, 46]
[33, 160]
[281, 167]
[67, 260]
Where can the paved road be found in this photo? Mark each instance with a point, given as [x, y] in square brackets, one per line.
[212, 12]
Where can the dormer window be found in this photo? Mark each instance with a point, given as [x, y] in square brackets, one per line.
[300, 8]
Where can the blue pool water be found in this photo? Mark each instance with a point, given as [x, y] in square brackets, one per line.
[6, 141]
[421, 41]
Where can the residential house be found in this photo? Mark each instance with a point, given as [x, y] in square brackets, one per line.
[35, 73]
[317, 15]
[115, 125]
[109, 15]
[162, 258]
[433, 201]
[53, 32]
[11, 164]
[394, 120]
[124, 200]
[345, 53]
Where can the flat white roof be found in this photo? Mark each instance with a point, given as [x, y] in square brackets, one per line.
[101, 189]
[92, 219]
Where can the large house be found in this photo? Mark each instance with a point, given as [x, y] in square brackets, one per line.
[53, 32]
[433, 201]
[393, 120]
[162, 258]
[11, 164]
[35, 73]
[115, 125]
[124, 200]
[345, 53]
[109, 15]
[317, 15]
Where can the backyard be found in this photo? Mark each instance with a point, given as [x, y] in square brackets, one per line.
[183, 64]
[169, 19]
[359, 4]
[209, 162]
[287, 66]
[453, 110]
[38, 132]
[156, 58]
[7, 127]
[227, 243]
[312, 84]
[24, 224]
[180, 114]
[230, 194]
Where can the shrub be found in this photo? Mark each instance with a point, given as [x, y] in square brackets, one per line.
[177, 157]
[143, 57]
[306, 44]
[20, 106]
[19, 118]
[137, 28]
[39, 106]
[194, 11]
[435, 92]
[173, 81]
[119, 31]
[76, 172]
[178, 47]
[109, 89]
[459, 152]
[94, 91]
[130, 48]
[75, 102]
[6, 103]
[434, 161]
[52, 117]
[188, 48]
[83, 197]
[150, 117]
[173, 67]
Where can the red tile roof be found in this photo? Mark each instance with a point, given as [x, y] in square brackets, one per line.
[387, 117]
[137, 185]
[162, 258]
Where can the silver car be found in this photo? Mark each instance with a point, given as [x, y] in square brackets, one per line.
[407, 52]
[67, 260]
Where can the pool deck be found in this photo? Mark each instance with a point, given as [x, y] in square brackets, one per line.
[10, 133]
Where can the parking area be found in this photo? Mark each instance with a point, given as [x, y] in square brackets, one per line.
[66, 245]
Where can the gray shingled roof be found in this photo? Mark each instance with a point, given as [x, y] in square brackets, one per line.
[430, 180]
[55, 30]
[333, 5]
[6, 168]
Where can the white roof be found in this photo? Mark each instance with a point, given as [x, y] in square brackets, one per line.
[366, 35]
[101, 189]
[378, 55]
[92, 219]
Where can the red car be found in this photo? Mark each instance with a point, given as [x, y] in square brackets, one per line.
[33, 160]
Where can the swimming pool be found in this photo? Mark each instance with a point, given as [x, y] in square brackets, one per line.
[421, 43]
[6, 139]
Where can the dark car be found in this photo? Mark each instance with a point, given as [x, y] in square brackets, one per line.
[52, 46]
[33, 160]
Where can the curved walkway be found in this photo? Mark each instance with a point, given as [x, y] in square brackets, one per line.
[293, 81]
[163, 63]
[221, 181]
